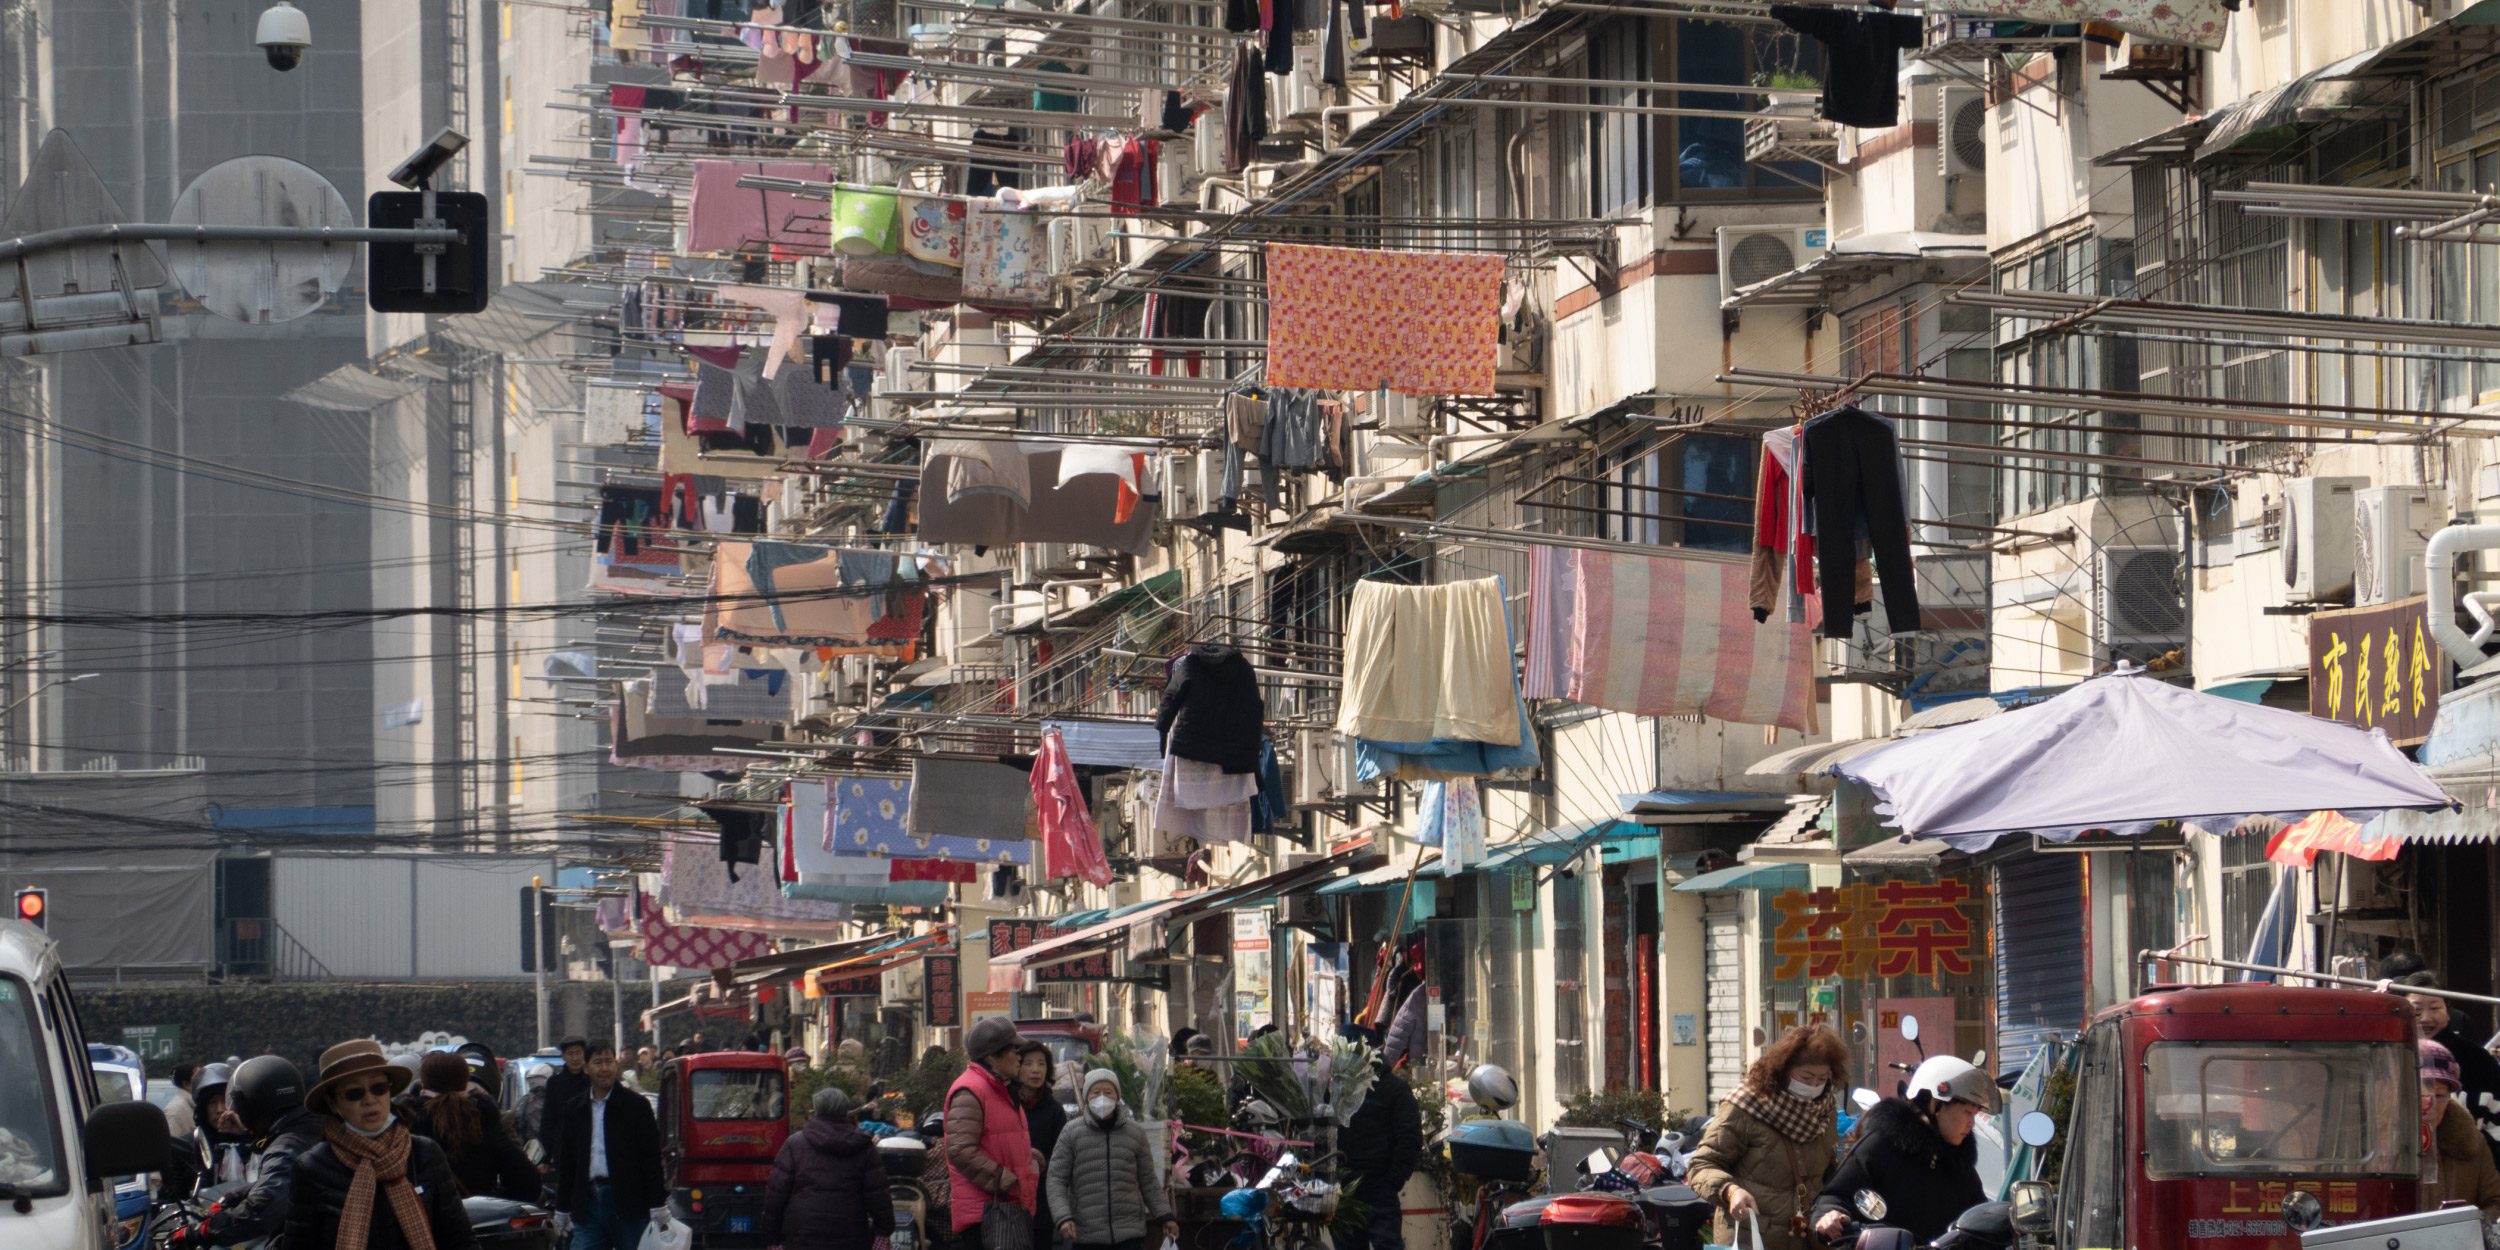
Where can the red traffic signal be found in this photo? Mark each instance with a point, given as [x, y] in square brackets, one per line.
[32, 906]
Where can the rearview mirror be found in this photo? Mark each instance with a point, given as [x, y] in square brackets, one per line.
[1871, 1205]
[1864, 1099]
[2033, 1207]
[1909, 1028]
[126, 1139]
[2036, 1129]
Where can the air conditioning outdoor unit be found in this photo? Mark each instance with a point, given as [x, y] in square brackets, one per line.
[2318, 543]
[1041, 562]
[1078, 243]
[1181, 501]
[899, 373]
[1209, 476]
[1754, 254]
[2391, 527]
[1961, 132]
[1063, 245]
[1206, 151]
[2143, 605]
[1315, 767]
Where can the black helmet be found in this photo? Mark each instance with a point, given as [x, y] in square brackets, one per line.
[264, 1089]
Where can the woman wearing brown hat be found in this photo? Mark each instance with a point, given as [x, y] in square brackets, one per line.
[371, 1184]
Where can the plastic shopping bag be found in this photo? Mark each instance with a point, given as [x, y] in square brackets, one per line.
[665, 1233]
[1754, 1219]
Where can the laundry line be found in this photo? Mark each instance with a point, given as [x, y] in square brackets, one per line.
[2259, 412]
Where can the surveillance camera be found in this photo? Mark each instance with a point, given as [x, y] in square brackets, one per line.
[421, 166]
[285, 35]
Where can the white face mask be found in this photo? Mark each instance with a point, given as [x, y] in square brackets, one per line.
[1808, 1090]
[1102, 1106]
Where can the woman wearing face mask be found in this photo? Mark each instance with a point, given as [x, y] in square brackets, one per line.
[1770, 1148]
[2456, 1162]
[370, 1184]
[1916, 1154]
[1102, 1178]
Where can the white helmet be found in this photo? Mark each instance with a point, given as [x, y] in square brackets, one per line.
[1492, 1088]
[1953, 1080]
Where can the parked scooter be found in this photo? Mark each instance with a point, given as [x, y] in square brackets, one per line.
[906, 1158]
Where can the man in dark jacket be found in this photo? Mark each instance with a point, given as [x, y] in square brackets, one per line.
[608, 1178]
[828, 1187]
[1379, 1150]
[563, 1090]
[268, 1096]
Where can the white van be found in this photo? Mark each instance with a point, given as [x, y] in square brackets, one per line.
[59, 1149]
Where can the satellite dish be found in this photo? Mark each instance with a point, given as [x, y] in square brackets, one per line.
[262, 283]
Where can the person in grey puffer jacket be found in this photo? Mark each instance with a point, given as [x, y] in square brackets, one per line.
[1102, 1175]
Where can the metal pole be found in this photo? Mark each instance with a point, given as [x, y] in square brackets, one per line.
[616, 1002]
[137, 231]
[538, 966]
[2204, 961]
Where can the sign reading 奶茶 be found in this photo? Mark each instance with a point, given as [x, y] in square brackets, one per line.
[2377, 667]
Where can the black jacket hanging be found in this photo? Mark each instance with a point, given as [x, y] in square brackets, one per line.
[1853, 481]
[1212, 711]
[742, 835]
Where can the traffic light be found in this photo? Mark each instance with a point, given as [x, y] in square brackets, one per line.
[33, 906]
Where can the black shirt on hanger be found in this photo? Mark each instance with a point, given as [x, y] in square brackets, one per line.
[1862, 52]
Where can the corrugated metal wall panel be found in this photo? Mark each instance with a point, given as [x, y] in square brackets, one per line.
[469, 915]
[1723, 971]
[350, 911]
[2040, 959]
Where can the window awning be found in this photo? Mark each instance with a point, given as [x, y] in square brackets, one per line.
[884, 957]
[793, 962]
[2441, 48]
[1812, 759]
[1751, 876]
[1007, 971]
[1818, 283]
[1390, 876]
[1674, 802]
[2258, 127]
[1564, 843]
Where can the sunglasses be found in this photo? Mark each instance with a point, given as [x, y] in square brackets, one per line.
[358, 1093]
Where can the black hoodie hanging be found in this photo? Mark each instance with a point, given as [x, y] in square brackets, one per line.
[742, 835]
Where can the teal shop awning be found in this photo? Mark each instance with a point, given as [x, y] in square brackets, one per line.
[1080, 919]
[1564, 843]
[1390, 876]
[1753, 876]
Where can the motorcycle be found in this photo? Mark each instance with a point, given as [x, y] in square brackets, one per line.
[1988, 1226]
[496, 1223]
[906, 1157]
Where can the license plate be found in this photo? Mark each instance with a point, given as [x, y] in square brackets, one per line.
[738, 1224]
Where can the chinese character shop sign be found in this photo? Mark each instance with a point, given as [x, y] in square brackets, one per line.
[1888, 929]
[2377, 668]
[941, 991]
[1008, 936]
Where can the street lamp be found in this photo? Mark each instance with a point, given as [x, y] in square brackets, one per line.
[49, 685]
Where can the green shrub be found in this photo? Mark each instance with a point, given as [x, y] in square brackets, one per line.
[1603, 1108]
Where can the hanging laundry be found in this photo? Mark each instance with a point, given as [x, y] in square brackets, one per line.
[991, 803]
[864, 223]
[1450, 815]
[932, 284]
[742, 835]
[696, 889]
[1783, 552]
[1270, 808]
[933, 228]
[1245, 108]
[1083, 510]
[1862, 60]
[1351, 319]
[985, 466]
[2196, 23]
[1173, 318]
[1127, 465]
[776, 594]
[789, 312]
[1212, 711]
[1853, 485]
[1662, 636]
[1004, 261]
[696, 948]
[985, 176]
[722, 216]
[1109, 743]
[1071, 846]
[715, 392]
[950, 871]
[1204, 802]
[755, 697]
[856, 316]
[1426, 662]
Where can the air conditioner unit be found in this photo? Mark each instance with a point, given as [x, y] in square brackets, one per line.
[1753, 254]
[1062, 246]
[1961, 132]
[1315, 767]
[1307, 912]
[2391, 527]
[1181, 501]
[1404, 416]
[899, 373]
[2317, 546]
[2142, 602]
[1301, 94]
[1349, 786]
[1041, 562]
[1209, 476]
[1205, 152]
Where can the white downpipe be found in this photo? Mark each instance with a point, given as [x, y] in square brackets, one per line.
[2439, 566]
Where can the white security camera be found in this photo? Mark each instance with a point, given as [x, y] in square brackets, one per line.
[425, 162]
[285, 35]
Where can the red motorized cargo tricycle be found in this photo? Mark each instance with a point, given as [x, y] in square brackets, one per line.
[723, 1118]
[2204, 1114]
